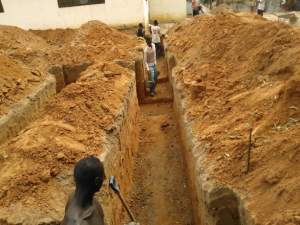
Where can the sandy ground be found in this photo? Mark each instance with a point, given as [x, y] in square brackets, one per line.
[16, 81]
[237, 72]
[161, 192]
[75, 122]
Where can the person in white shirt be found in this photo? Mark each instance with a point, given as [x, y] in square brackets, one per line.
[150, 63]
[155, 32]
[261, 4]
[197, 8]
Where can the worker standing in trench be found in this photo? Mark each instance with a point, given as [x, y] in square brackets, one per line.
[150, 63]
[261, 4]
[155, 32]
[197, 8]
[140, 31]
[82, 208]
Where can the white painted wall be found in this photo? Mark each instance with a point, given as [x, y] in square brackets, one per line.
[167, 10]
[146, 13]
[189, 9]
[45, 14]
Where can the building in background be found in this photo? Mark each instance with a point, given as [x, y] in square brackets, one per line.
[50, 14]
[167, 10]
[47, 14]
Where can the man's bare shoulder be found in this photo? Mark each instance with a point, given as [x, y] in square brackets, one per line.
[74, 215]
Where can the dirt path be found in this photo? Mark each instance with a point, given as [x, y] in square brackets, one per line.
[160, 185]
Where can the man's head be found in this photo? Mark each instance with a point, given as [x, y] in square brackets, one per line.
[89, 174]
[155, 22]
[148, 41]
[141, 25]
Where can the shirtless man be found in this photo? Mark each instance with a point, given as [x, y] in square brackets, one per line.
[82, 208]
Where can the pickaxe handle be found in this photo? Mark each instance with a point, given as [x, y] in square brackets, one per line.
[126, 207]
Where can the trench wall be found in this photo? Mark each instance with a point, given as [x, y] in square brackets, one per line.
[119, 145]
[26, 110]
[213, 203]
[120, 148]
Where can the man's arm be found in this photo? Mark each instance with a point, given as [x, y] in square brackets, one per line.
[154, 48]
[145, 60]
[150, 26]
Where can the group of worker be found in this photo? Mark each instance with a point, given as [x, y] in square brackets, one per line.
[152, 51]
[197, 7]
[82, 208]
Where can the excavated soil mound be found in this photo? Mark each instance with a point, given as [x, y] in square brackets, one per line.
[16, 81]
[33, 165]
[28, 56]
[24, 46]
[57, 37]
[93, 41]
[237, 72]
[24, 64]
[14, 38]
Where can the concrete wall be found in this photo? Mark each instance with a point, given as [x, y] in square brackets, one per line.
[189, 9]
[167, 10]
[45, 14]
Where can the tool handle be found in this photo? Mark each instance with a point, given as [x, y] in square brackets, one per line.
[126, 207]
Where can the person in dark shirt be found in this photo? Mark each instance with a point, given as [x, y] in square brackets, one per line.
[82, 208]
[141, 31]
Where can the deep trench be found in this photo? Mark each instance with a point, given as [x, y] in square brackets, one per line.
[163, 191]
[160, 191]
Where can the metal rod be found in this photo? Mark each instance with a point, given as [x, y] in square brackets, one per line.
[249, 151]
[126, 207]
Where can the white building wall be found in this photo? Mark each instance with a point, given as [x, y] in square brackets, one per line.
[45, 14]
[167, 10]
[189, 9]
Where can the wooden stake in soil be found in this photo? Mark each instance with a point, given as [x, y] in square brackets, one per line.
[140, 80]
[249, 151]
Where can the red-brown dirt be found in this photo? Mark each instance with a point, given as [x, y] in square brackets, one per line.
[93, 41]
[238, 72]
[36, 163]
[71, 126]
[16, 81]
[27, 56]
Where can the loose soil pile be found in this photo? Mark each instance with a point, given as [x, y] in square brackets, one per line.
[36, 166]
[73, 125]
[24, 46]
[27, 56]
[16, 81]
[93, 41]
[237, 72]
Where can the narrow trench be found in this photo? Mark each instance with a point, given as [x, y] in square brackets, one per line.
[160, 191]
[67, 74]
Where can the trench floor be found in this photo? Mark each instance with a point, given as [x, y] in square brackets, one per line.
[161, 192]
